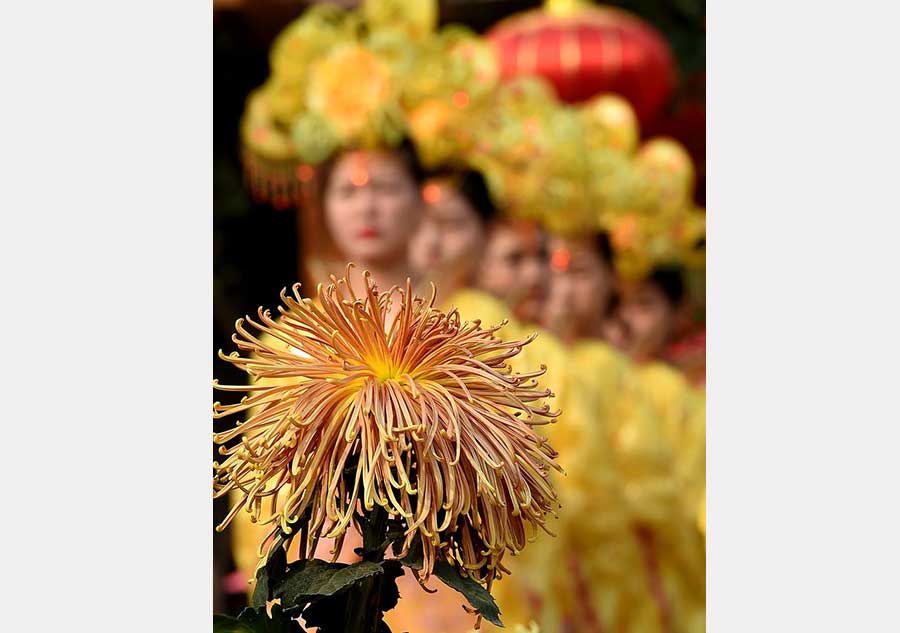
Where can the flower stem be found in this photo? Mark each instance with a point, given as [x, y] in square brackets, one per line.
[364, 602]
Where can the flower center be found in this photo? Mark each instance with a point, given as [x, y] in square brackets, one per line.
[384, 370]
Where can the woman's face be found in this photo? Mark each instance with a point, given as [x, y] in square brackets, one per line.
[650, 321]
[372, 206]
[581, 285]
[450, 237]
[513, 268]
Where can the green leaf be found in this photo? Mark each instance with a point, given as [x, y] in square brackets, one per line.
[396, 534]
[256, 620]
[270, 574]
[389, 539]
[261, 590]
[372, 526]
[371, 537]
[390, 594]
[228, 624]
[260, 621]
[414, 558]
[276, 564]
[327, 615]
[330, 616]
[476, 595]
[339, 613]
[311, 579]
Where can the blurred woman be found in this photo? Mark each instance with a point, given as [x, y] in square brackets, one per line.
[653, 432]
[463, 242]
[453, 232]
[460, 244]
[371, 205]
[591, 576]
[606, 392]
[582, 287]
[513, 267]
[461, 238]
[650, 311]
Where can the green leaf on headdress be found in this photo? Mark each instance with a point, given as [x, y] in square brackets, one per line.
[314, 138]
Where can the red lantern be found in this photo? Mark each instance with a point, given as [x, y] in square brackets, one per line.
[586, 50]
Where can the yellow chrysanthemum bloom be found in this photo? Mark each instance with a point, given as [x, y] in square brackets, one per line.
[414, 18]
[610, 122]
[421, 416]
[668, 168]
[430, 124]
[347, 87]
[641, 242]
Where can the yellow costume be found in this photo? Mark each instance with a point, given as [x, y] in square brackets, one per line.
[618, 478]
[631, 441]
[590, 576]
[682, 409]
[680, 545]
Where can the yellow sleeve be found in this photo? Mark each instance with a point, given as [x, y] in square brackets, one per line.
[701, 514]
[693, 465]
[593, 523]
[595, 535]
[644, 458]
[682, 559]
[682, 410]
[639, 451]
[475, 304]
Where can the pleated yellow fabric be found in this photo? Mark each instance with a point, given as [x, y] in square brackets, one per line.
[591, 576]
[679, 543]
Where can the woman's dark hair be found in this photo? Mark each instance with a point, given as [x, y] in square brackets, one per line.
[670, 280]
[406, 151]
[613, 304]
[604, 248]
[472, 185]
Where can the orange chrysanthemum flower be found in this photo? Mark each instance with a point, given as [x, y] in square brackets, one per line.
[347, 87]
[421, 416]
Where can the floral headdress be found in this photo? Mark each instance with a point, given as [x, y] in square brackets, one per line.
[662, 226]
[532, 150]
[337, 80]
[455, 81]
[641, 243]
